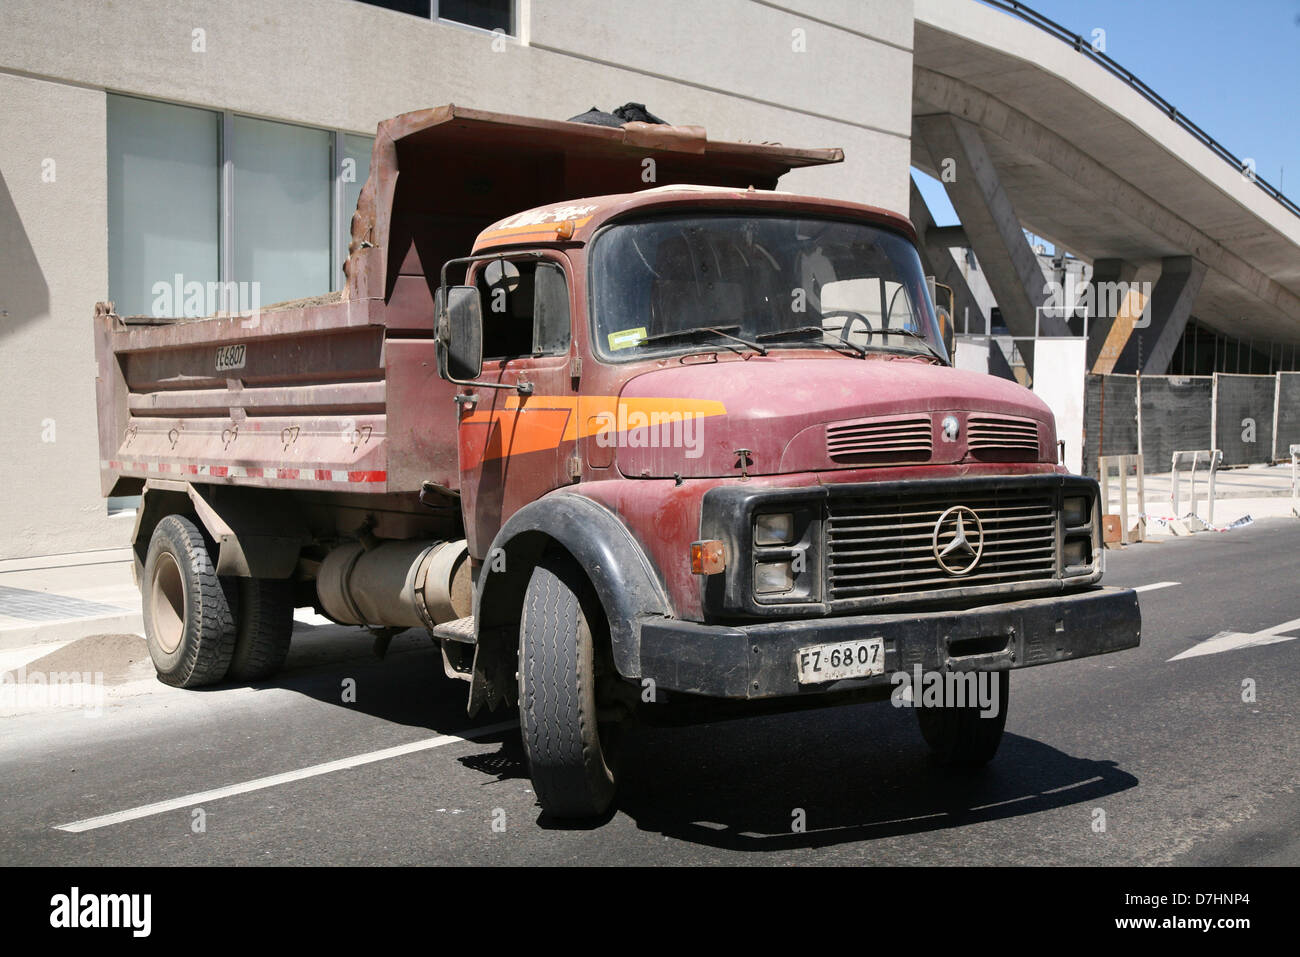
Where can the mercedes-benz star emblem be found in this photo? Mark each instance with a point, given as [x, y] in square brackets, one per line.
[958, 540]
[950, 428]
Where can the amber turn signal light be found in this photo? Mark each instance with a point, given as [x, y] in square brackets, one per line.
[707, 557]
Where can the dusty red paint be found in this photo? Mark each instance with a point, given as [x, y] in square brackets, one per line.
[778, 405]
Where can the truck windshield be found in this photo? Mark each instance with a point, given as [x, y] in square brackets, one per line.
[663, 286]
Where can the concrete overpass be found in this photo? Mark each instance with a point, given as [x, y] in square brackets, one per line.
[1035, 129]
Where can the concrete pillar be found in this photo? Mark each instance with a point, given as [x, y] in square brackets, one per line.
[948, 236]
[937, 261]
[1151, 348]
[1101, 317]
[991, 224]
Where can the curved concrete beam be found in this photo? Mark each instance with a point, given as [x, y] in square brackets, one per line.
[1032, 139]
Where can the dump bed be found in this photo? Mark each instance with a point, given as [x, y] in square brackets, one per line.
[340, 393]
[315, 397]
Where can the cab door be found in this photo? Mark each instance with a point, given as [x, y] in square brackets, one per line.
[516, 447]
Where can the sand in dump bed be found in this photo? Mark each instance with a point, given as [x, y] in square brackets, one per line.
[119, 658]
[324, 299]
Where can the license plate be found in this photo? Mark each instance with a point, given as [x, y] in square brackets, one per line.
[859, 658]
[230, 357]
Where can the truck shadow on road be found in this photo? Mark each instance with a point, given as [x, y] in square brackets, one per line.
[408, 686]
[857, 773]
[846, 775]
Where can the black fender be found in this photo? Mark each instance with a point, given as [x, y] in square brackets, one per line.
[254, 533]
[626, 582]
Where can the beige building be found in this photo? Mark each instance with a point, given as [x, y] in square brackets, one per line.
[151, 150]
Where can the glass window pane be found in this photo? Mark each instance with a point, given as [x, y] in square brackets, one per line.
[419, 7]
[669, 284]
[163, 206]
[282, 209]
[550, 311]
[488, 14]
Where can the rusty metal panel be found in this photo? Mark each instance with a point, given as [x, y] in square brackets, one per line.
[421, 418]
[300, 402]
[438, 176]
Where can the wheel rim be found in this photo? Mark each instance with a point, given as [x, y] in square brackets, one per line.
[168, 602]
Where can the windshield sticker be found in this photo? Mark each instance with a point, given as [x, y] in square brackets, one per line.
[627, 338]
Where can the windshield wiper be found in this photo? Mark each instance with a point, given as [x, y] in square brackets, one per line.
[801, 330]
[696, 333]
[912, 334]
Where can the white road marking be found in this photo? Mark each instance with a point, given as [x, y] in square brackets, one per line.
[257, 784]
[1154, 585]
[1231, 640]
[1076, 784]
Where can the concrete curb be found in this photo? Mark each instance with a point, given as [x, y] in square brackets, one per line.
[44, 632]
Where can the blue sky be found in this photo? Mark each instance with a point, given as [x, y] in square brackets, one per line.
[1231, 66]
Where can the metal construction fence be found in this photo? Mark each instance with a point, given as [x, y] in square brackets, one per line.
[1251, 418]
[1286, 414]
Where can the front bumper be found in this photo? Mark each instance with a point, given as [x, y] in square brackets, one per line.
[756, 661]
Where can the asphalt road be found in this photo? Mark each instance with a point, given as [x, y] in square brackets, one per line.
[1166, 754]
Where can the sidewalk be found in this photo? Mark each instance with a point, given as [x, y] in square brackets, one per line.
[72, 636]
[1254, 491]
[65, 597]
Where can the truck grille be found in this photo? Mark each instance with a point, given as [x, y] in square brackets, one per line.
[994, 434]
[908, 439]
[885, 547]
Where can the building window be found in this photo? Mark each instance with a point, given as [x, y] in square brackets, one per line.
[484, 14]
[184, 239]
[281, 211]
[420, 8]
[164, 174]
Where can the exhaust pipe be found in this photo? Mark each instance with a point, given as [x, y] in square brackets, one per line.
[407, 584]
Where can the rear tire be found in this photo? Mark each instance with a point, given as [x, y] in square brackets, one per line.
[570, 754]
[265, 628]
[962, 737]
[189, 613]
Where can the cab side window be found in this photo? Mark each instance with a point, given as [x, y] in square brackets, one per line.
[525, 314]
[550, 311]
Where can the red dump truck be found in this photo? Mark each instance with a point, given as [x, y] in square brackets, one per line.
[625, 450]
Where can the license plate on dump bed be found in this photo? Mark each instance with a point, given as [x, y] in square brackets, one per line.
[860, 658]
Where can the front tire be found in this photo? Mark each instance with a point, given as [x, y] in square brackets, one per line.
[570, 754]
[189, 613]
[963, 737]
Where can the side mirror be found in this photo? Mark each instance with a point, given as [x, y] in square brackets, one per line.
[944, 301]
[946, 329]
[458, 331]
